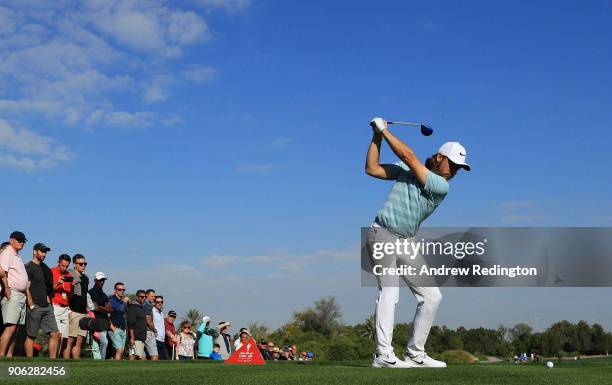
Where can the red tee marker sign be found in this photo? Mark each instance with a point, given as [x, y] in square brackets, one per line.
[247, 354]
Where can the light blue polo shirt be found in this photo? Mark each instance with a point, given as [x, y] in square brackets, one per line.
[408, 203]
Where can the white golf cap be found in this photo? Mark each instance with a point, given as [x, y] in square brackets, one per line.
[99, 275]
[456, 153]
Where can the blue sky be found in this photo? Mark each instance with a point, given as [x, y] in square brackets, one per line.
[214, 149]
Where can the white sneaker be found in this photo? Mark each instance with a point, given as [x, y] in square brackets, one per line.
[386, 360]
[424, 361]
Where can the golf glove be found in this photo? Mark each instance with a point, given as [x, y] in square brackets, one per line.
[378, 124]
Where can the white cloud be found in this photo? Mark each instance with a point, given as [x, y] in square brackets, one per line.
[199, 73]
[281, 142]
[219, 261]
[519, 212]
[67, 61]
[29, 151]
[256, 168]
[231, 6]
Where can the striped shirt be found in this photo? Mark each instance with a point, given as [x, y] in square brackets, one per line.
[408, 203]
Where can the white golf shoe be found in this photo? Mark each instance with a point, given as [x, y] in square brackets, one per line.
[424, 361]
[389, 360]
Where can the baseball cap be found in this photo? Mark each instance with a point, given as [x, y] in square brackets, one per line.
[456, 153]
[172, 313]
[205, 318]
[18, 236]
[41, 247]
[99, 276]
[263, 341]
[223, 324]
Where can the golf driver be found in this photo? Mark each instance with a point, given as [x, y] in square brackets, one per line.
[425, 129]
[379, 122]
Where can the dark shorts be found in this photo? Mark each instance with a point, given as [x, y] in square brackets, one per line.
[162, 352]
[41, 318]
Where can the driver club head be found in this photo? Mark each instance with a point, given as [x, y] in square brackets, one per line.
[426, 130]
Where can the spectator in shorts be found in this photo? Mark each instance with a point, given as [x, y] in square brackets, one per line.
[78, 307]
[39, 293]
[137, 326]
[14, 287]
[151, 340]
[171, 336]
[62, 285]
[224, 340]
[102, 308]
[119, 302]
[186, 343]
[160, 327]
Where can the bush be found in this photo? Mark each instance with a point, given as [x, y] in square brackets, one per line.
[456, 357]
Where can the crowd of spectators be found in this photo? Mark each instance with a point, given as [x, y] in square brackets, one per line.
[74, 315]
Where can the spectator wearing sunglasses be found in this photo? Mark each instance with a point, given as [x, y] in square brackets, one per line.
[160, 327]
[14, 285]
[137, 326]
[102, 307]
[117, 335]
[171, 336]
[78, 307]
[185, 347]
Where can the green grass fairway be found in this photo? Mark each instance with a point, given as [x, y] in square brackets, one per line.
[591, 371]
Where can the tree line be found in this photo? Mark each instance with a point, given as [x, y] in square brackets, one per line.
[320, 329]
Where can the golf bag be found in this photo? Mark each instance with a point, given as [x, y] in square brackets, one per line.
[94, 324]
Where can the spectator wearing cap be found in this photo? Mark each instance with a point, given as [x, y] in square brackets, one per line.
[171, 337]
[62, 285]
[14, 284]
[78, 307]
[224, 340]
[151, 340]
[243, 338]
[263, 349]
[205, 337]
[160, 327]
[39, 293]
[117, 335]
[102, 308]
[237, 343]
[137, 326]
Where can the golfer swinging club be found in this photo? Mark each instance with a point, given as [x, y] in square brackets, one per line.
[417, 191]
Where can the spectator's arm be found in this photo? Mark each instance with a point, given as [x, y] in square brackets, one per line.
[201, 328]
[151, 325]
[28, 295]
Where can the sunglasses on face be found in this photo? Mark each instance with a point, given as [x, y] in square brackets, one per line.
[159, 301]
[81, 263]
[142, 296]
[120, 289]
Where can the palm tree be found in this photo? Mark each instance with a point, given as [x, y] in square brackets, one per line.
[194, 316]
[369, 328]
[259, 330]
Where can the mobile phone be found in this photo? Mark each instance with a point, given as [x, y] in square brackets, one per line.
[68, 278]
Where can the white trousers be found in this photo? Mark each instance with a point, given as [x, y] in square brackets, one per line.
[428, 299]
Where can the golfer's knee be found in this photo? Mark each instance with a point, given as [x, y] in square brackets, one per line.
[388, 294]
[434, 298]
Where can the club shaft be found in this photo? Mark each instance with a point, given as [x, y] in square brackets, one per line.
[404, 123]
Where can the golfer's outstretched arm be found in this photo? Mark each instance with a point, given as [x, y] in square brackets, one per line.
[373, 166]
[406, 155]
